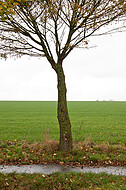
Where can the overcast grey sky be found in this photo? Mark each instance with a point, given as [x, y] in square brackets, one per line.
[91, 74]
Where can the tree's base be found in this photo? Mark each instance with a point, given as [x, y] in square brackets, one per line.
[65, 147]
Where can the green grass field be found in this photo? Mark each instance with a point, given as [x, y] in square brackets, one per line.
[101, 121]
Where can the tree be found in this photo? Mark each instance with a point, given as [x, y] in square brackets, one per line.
[52, 29]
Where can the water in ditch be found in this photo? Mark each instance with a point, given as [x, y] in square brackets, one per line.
[48, 169]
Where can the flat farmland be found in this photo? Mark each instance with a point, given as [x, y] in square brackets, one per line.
[100, 121]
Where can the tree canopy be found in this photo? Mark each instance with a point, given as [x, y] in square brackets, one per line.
[37, 27]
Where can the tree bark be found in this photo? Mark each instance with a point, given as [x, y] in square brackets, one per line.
[62, 112]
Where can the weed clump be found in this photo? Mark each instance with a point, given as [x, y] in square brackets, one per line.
[45, 145]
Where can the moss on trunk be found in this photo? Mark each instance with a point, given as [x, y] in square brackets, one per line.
[63, 117]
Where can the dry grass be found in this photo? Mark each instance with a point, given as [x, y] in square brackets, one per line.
[105, 147]
[120, 147]
[46, 145]
[83, 144]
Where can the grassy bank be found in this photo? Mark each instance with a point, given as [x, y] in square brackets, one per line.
[101, 121]
[62, 181]
[46, 151]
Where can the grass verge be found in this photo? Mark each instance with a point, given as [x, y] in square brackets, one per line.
[84, 153]
[62, 181]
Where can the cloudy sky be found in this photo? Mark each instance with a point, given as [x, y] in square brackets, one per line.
[91, 74]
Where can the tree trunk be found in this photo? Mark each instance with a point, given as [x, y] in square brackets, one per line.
[63, 117]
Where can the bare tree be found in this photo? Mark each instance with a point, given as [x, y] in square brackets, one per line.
[53, 28]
